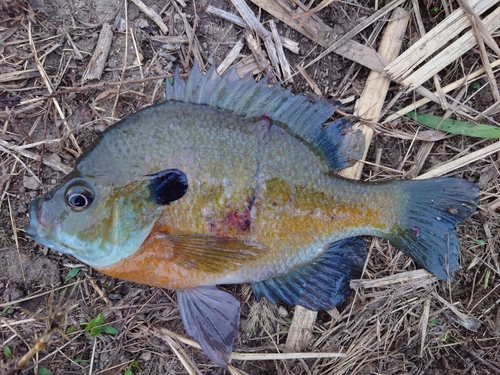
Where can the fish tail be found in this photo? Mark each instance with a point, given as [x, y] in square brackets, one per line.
[426, 225]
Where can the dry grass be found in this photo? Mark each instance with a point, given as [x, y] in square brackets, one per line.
[398, 319]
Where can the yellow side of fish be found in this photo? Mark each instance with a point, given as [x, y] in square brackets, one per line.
[286, 226]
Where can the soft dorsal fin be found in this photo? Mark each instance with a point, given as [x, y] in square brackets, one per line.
[301, 116]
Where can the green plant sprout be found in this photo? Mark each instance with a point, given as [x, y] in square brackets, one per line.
[96, 326]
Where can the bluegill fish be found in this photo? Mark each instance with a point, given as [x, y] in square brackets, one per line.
[232, 181]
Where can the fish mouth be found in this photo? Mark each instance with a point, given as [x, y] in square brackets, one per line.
[35, 225]
[32, 227]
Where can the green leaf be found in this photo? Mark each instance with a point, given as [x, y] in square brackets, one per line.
[7, 352]
[72, 273]
[5, 309]
[96, 326]
[95, 332]
[44, 371]
[99, 319]
[456, 126]
[81, 361]
[486, 279]
[110, 330]
[133, 364]
[432, 322]
[479, 241]
[444, 338]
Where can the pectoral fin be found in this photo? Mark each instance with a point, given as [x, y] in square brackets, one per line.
[212, 317]
[321, 284]
[209, 253]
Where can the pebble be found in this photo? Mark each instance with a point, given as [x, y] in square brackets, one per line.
[282, 312]
[145, 356]
[121, 25]
[30, 182]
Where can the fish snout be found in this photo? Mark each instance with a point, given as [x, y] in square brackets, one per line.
[32, 226]
[39, 221]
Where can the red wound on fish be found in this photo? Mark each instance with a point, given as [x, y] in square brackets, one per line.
[266, 121]
[415, 230]
[235, 221]
[241, 221]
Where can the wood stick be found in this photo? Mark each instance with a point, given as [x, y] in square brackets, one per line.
[309, 13]
[289, 44]
[452, 86]
[254, 24]
[477, 24]
[424, 320]
[482, 35]
[399, 278]
[372, 99]
[294, 8]
[247, 65]
[459, 317]
[285, 67]
[357, 29]
[250, 19]
[230, 57]
[233, 18]
[259, 56]
[22, 74]
[449, 55]
[431, 42]
[301, 328]
[450, 166]
[309, 80]
[100, 56]
[351, 50]
[274, 356]
[151, 14]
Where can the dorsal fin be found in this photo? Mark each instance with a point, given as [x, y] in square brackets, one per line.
[304, 118]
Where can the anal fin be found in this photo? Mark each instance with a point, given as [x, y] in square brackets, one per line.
[321, 284]
[212, 317]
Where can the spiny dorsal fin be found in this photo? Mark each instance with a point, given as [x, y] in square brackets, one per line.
[336, 142]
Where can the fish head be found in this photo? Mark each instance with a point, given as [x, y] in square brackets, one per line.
[94, 220]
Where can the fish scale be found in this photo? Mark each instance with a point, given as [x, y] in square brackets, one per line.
[232, 181]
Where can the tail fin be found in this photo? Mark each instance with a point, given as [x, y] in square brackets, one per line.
[427, 225]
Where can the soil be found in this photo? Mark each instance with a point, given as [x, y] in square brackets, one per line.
[33, 277]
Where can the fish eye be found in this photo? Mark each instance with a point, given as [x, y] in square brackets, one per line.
[79, 197]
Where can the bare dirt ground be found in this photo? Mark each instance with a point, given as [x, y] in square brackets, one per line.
[399, 320]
